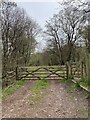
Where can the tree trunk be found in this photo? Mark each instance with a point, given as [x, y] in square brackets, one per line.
[88, 63]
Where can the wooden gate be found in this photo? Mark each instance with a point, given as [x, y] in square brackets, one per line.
[74, 70]
[41, 72]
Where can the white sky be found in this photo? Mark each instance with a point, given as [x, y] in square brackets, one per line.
[40, 11]
[36, 0]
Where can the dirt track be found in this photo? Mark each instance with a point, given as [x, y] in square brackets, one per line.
[56, 102]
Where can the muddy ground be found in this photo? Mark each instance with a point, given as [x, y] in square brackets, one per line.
[57, 101]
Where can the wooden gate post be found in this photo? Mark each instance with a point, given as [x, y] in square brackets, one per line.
[70, 70]
[88, 67]
[67, 71]
[16, 72]
[82, 69]
[85, 68]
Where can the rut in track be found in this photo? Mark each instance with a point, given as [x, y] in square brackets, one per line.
[56, 102]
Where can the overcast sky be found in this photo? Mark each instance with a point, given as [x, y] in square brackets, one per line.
[40, 11]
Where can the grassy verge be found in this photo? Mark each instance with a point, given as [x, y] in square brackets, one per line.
[85, 82]
[70, 86]
[82, 112]
[65, 80]
[10, 90]
[37, 90]
[73, 87]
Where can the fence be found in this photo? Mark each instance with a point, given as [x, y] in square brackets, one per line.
[9, 78]
[73, 70]
[76, 70]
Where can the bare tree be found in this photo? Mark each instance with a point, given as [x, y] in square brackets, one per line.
[63, 29]
[19, 34]
[53, 31]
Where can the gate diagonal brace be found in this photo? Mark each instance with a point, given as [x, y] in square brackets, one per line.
[53, 73]
[31, 73]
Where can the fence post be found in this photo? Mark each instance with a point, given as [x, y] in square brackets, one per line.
[82, 68]
[70, 70]
[16, 72]
[67, 71]
[85, 68]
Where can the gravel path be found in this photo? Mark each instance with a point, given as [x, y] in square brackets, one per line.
[57, 102]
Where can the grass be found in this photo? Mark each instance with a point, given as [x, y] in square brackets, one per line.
[70, 87]
[10, 90]
[85, 82]
[66, 80]
[83, 112]
[37, 90]
[40, 84]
